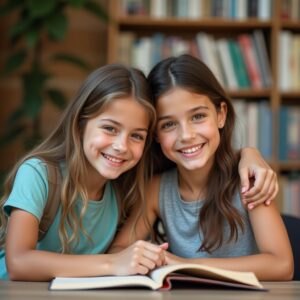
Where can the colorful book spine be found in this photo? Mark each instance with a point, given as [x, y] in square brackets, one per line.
[245, 42]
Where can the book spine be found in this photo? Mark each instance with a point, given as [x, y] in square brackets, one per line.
[246, 45]
[285, 39]
[239, 64]
[253, 124]
[265, 132]
[283, 133]
[223, 50]
[262, 56]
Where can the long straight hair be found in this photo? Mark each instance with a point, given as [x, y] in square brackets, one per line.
[64, 144]
[190, 73]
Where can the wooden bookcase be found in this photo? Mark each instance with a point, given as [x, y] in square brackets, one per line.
[145, 25]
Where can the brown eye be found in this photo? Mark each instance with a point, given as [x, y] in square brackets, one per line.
[168, 125]
[110, 129]
[198, 117]
[138, 137]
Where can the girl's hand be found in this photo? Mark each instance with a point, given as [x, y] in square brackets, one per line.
[139, 258]
[258, 181]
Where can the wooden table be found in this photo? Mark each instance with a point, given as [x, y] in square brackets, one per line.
[39, 290]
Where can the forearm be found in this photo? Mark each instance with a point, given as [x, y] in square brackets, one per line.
[35, 265]
[265, 266]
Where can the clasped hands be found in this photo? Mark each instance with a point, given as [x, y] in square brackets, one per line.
[140, 258]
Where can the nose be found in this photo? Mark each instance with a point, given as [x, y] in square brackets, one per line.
[187, 132]
[120, 144]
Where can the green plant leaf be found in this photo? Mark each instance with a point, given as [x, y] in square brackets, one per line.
[15, 117]
[57, 98]
[12, 134]
[97, 9]
[32, 37]
[40, 8]
[57, 25]
[76, 3]
[71, 59]
[10, 5]
[34, 103]
[19, 28]
[33, 85]
[14, 61]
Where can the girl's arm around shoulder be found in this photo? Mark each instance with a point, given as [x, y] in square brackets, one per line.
[26, 263]
[141, 229]
[254, 169]
[274, 260]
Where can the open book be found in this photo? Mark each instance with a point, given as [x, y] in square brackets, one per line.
[162, 279]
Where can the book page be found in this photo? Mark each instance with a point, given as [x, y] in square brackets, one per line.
[78, 283]
[247, 278]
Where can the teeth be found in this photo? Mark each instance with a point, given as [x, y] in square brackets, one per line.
[191, 150]
[115, 160]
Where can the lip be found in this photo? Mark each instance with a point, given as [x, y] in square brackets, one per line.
[113, 160]
[191, 151]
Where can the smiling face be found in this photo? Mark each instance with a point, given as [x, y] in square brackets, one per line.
[113, 142]
[188, 128]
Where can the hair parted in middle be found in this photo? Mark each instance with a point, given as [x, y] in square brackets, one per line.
[191, 74]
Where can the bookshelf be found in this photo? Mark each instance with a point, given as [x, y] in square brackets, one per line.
[281, 17]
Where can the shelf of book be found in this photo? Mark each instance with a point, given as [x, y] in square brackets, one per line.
[286, 166]
[290, 24]
[250, 93]
[252, 33]
[216, 23]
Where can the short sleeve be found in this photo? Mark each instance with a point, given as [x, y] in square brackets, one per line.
[30, 189]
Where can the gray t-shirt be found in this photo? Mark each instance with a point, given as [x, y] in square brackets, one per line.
[180, 220]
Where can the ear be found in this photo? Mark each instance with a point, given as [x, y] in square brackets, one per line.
[222, 114]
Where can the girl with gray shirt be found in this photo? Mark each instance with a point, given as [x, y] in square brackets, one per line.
[198, 197]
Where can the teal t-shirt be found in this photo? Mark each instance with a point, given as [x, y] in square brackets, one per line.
[30, 193]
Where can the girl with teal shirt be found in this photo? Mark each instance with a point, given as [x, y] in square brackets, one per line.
[99, 147]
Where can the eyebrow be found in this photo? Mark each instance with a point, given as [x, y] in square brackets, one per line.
[119, 124]
[189, 111]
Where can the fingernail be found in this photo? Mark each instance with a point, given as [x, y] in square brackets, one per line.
[250, 206]
[268, 202]
[244, 189]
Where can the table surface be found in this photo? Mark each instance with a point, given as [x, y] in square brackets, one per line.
[39, 290]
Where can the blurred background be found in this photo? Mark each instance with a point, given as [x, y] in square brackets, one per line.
[47, 50]
[48, 47]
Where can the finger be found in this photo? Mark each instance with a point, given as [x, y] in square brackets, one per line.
[261, 198]
[152, 247]
[259, 180]
[256, 203]
[145, 262]
[267, 200]
[244, 176]
[255, 196]
[256, 200]
[273, 196]
[164, 246]
[140, 269]
[273, 191]
[150, 251]
[255, 193]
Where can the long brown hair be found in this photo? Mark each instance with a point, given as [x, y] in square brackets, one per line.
[65, 145]
[192, 74]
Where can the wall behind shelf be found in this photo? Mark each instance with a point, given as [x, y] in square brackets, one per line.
[86, 38]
